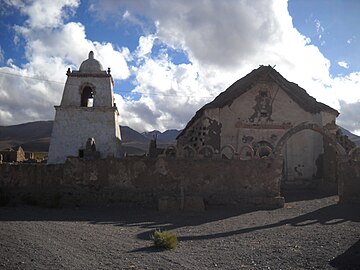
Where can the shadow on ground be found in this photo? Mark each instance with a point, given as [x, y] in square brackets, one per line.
[349, 260]
[139, 216]
[305, 194]
[150, 220]
[329, 215]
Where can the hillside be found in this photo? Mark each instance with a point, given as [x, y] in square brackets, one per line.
[35, 137]
[351, 136]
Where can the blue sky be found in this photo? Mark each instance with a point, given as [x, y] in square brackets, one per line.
[332, 26]
[168, 60]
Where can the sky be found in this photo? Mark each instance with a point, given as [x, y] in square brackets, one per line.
[169, 58]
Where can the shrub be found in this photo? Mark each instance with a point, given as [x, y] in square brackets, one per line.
[166, 240]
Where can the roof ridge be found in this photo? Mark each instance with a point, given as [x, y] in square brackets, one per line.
[242, 85]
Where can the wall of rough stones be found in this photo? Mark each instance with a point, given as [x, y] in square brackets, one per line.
[349, 181]
[181, 184]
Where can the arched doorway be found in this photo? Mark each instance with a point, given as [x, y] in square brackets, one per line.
[310, 155]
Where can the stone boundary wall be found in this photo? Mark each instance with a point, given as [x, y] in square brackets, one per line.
[349, 181]
[170, 184]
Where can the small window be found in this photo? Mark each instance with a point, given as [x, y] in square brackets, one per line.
[81, 153]
[264, 152]
[263, 114]
[87, 97]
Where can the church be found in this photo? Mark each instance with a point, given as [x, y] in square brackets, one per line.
[86, 122]
[250, 118]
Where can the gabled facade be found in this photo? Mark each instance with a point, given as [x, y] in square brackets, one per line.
[252, 115]
[15, 154]
[87, 111]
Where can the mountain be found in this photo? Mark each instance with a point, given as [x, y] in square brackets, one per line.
[351, 136]
[166, 136]
[27, 131]
[130, 135]
[35, 137]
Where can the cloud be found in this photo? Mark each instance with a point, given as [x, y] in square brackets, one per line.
[32, 90]
[1, 55]
[223, 40]
[48, 14]
[170, 94]
[343, 64]
[349, 117]
[146, 44]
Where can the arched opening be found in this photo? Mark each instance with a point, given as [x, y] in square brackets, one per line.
[263, 149]
[206, 151]
[171, 151]
[246, 152]
[188, 151]
[87, 97]
[227, 152]
[310, 161]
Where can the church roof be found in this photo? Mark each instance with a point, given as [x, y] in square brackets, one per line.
[241, 86]
[91, 64]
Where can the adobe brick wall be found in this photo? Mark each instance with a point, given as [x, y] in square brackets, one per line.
[181, 183]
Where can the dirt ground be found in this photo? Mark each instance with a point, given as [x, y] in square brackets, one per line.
[311, 233]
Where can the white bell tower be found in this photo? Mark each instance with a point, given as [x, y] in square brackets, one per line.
[87, 110]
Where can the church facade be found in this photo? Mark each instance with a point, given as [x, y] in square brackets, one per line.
[250, 118]
[87, 113]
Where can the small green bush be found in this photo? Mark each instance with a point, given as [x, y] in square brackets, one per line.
[165, 240]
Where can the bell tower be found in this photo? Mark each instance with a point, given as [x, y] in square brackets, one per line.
[87, 110]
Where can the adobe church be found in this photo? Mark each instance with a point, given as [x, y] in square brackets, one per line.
[250, 118]
[86, 122]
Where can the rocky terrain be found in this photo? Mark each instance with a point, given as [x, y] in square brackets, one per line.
[308, 233]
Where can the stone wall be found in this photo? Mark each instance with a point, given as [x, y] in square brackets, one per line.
[349, 181]
[181, 184]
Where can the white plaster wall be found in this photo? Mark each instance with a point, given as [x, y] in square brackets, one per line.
[301, 152]
[103, 96]
[302, 149]
[284, 109]
[327, 118]
[74, 125]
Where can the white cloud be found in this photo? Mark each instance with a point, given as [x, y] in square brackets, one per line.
[145, 45]
[1, 55]
[48, 14]
[349, 118]
[343, 64]
[225, 41]
[170, 95]
[36, 86]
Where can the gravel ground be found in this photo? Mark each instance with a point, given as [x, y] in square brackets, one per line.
[305, 234]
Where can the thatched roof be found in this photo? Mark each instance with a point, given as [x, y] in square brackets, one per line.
[298, 94]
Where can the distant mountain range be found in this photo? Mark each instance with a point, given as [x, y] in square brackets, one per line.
[351, 136]
[35, 137]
